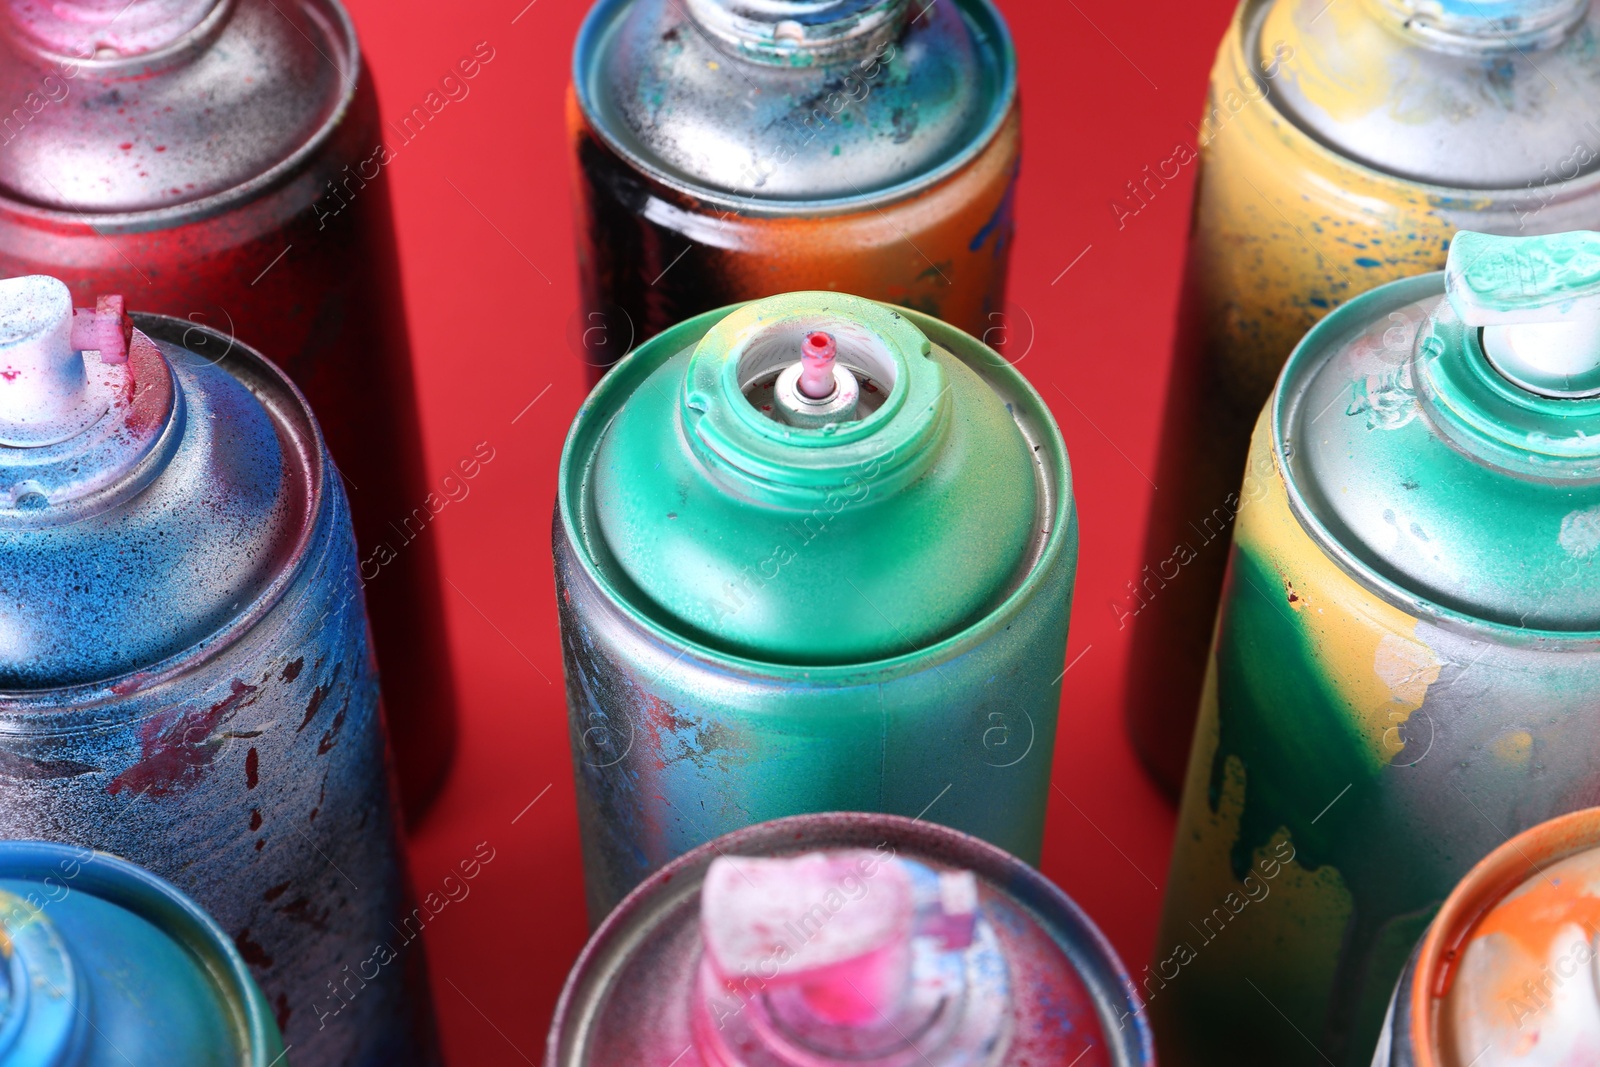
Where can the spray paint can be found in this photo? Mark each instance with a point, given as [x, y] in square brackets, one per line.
[1342, 147]
[1506, 974]
[774, 603]
[1405, 665]
[221, 161]
[185, 675]
[106, 963]
[848, 938]
[726, 150]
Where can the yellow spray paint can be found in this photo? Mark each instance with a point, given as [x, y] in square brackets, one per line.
[1343, 144]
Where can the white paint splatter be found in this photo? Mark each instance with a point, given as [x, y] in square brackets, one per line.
[1580, 532]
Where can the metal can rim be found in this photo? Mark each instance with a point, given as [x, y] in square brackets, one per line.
[603, 401]
[1510, 865]
[604, 12]
[143, 893]
[71, 698]
[1307, 357]
[119, 222]
[1246, 32]
[842, 829]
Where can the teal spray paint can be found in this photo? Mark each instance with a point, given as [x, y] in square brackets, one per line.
[812, 553]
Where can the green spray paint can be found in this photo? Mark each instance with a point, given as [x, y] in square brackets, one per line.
[813, 553]
[1405, 669]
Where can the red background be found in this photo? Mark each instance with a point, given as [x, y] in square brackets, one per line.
[487, 242]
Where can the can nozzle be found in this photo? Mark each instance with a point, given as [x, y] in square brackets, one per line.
[816, 366]
[844, 947]
[835, 927]
[1537, 300]
[104, 328]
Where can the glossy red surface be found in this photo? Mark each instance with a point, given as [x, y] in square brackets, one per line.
[481, 194]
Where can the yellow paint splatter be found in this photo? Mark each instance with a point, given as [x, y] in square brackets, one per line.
[1514, 748]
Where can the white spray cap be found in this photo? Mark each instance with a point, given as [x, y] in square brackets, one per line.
[42, 380]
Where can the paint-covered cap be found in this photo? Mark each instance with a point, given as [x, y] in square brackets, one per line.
[147, 506]
[869, 940]
[1468, 94]
[783, 104]
[1451, 482]
[719, 502]
[105, 963]
[1508, 975]
[132, 107]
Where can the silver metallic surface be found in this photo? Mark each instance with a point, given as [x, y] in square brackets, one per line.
[1380, 87]
[122, 134]
[801, 410]
[1384, 483]
[704, 117]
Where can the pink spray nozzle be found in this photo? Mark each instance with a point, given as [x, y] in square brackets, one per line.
[104, 328]
[816, 366]
[836, 927]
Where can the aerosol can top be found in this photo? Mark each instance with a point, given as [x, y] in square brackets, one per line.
[106, 963]
[1450, 93]
[212, 99]
[1509, 973]
[148, 496]
[875, 521]
[795, 106]
[1449, 446]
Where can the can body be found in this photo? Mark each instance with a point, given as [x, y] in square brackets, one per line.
[676, 740]
[130, 970]
[657, 245]
[300, 263]
[250, 769]
[626, 1000]
[1285, 228]
[1356, 753]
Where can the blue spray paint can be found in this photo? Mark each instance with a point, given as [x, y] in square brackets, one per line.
[108, 964]
[185, 676]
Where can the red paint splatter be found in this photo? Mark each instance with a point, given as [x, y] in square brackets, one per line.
[178, 745]
[331, 738]
[299, 909]
[282, 1011]
[255, 818]
[260, 845]
[275, 892]
[126, 146]
[252, 769]
[318, 695]
[161, 148]
[10, 375]
[253, 953]
[292, 670]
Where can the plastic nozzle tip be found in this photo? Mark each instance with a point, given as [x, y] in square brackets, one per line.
[816, 366]
[104, 328]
